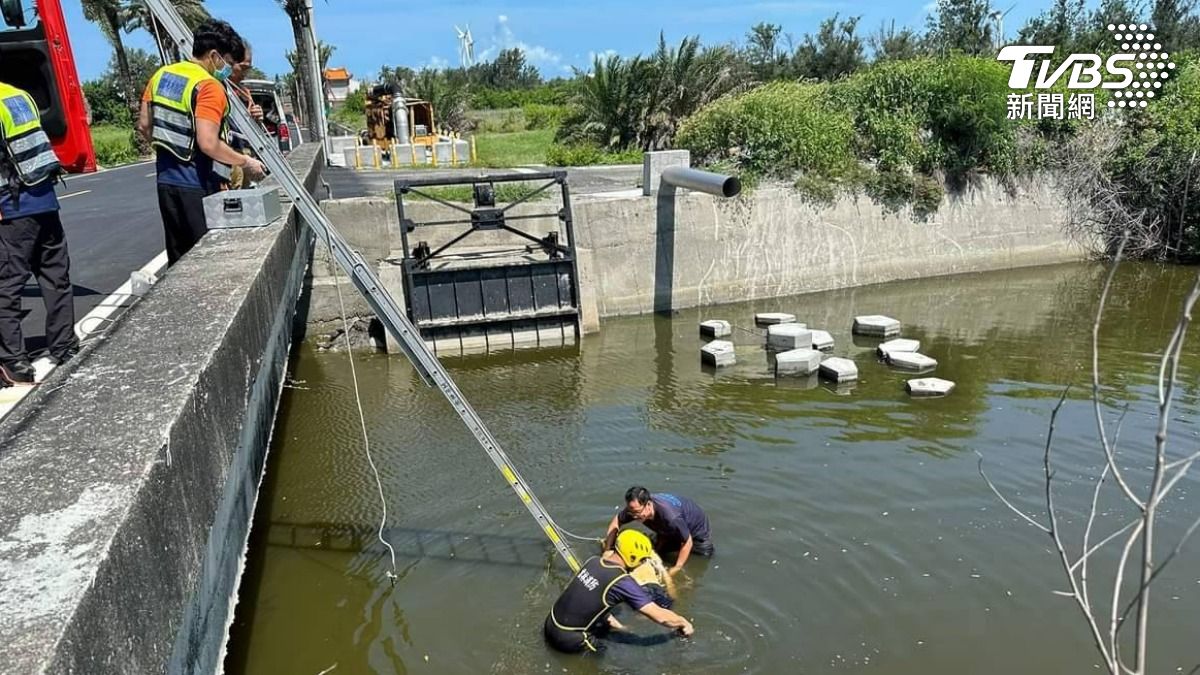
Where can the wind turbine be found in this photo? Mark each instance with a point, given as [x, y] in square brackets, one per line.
[998, 17]
[466, 47]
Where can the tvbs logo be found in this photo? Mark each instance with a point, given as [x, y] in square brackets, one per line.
[1137, 71]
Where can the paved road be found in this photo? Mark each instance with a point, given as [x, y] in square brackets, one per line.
[113, 228]
[583, 180]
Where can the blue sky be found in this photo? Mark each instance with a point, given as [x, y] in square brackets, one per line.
[555, 35]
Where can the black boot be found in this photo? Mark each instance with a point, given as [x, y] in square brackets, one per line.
[19, 373]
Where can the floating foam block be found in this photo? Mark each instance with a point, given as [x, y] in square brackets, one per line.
[929, 386]
[876, 325]
[718, 353]
[715, 328]
[784, 336]
[797, 362]
[911, 361]
[898, 345]
[772, 318]
[821, 340]
[838, 369]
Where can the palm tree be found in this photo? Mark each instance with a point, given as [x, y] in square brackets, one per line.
[137, 15]
[107, 15]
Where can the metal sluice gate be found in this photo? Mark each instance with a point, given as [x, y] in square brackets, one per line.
[479, 280]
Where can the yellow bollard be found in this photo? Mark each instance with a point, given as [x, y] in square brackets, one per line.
[474, 157]
[412, 148]
[378, 157]
[453, 150]
[433, 152]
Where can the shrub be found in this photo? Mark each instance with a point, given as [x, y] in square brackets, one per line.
[542, 116]
[588, 155]
[777, 129]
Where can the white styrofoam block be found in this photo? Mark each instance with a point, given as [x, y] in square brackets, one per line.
[877, 325]
[898, 345]
[821, 340]
[797, 362]
[839, 369]
[718, 353]
[911, 361]
[771, 318]
[929, 386]
[715, 328]
[784, 336]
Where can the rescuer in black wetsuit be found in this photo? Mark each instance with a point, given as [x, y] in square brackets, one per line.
[585, 606]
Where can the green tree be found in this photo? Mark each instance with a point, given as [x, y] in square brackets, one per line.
[136, 14]
[1062, 26]
[1176, 24]
[961, 26]
[889, 44]
[106, 14]
[765, 53]
[835, 50]
[449, 99]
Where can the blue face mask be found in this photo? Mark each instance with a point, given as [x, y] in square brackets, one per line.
[223, 72]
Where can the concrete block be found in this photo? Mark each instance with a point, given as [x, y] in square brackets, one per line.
[911, 361]
[797, 362]
[838, 369]
[653, 164]
[929, 386]
[772, 318]
[898, 345]
[338, 146]
[786, 336]
[715, 328]
[718, 353]
[821, 340]
[876, 325]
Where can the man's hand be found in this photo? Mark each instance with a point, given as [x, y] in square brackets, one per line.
[614, 624]
[674, 570]
[256, 112]
[686, 630]
[254, 168]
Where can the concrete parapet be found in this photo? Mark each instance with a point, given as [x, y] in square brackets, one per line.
[653, 164]
[128, 479]
[693, 249]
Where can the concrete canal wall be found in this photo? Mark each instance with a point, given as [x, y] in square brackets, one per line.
[128, 479]
[640, 254]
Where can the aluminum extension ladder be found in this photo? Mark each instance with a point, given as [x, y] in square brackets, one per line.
[371, 288]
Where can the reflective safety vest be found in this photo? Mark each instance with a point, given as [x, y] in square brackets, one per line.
[27, 149]
[585, 599]
[173, 108]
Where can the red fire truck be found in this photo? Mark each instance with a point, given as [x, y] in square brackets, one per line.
[35, 55]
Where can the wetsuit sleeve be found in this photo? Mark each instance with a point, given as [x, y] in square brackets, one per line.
[628, 591]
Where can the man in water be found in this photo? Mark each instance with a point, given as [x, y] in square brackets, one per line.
[585, 607]
[679, 524]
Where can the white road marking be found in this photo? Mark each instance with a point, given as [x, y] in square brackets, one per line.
[119, 300]
[151, 174]
[75, 194]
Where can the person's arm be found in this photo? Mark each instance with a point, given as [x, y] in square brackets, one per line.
[667, 618]
[610, 536]
[208, 137]
[684, 552]
[144, 123]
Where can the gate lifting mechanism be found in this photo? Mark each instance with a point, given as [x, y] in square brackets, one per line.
[371, 288]
[513, 291]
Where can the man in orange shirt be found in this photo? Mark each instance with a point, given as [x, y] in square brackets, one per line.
[183, 110]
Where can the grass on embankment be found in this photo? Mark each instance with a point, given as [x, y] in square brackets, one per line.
[514, 148]
[114, 145]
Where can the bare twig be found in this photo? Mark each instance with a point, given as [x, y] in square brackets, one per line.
[1114, 625]
[1108, 449]
[1029, 519]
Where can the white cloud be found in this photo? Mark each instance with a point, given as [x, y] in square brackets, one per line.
[602, 55]
[436, 63]
[929, 7]
[504, 38]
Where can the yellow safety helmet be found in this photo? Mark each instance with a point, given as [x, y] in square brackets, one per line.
[633, 547]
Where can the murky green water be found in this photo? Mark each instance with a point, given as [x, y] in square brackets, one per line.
[853, 531]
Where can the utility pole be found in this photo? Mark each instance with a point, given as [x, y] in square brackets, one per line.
[316, 80]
